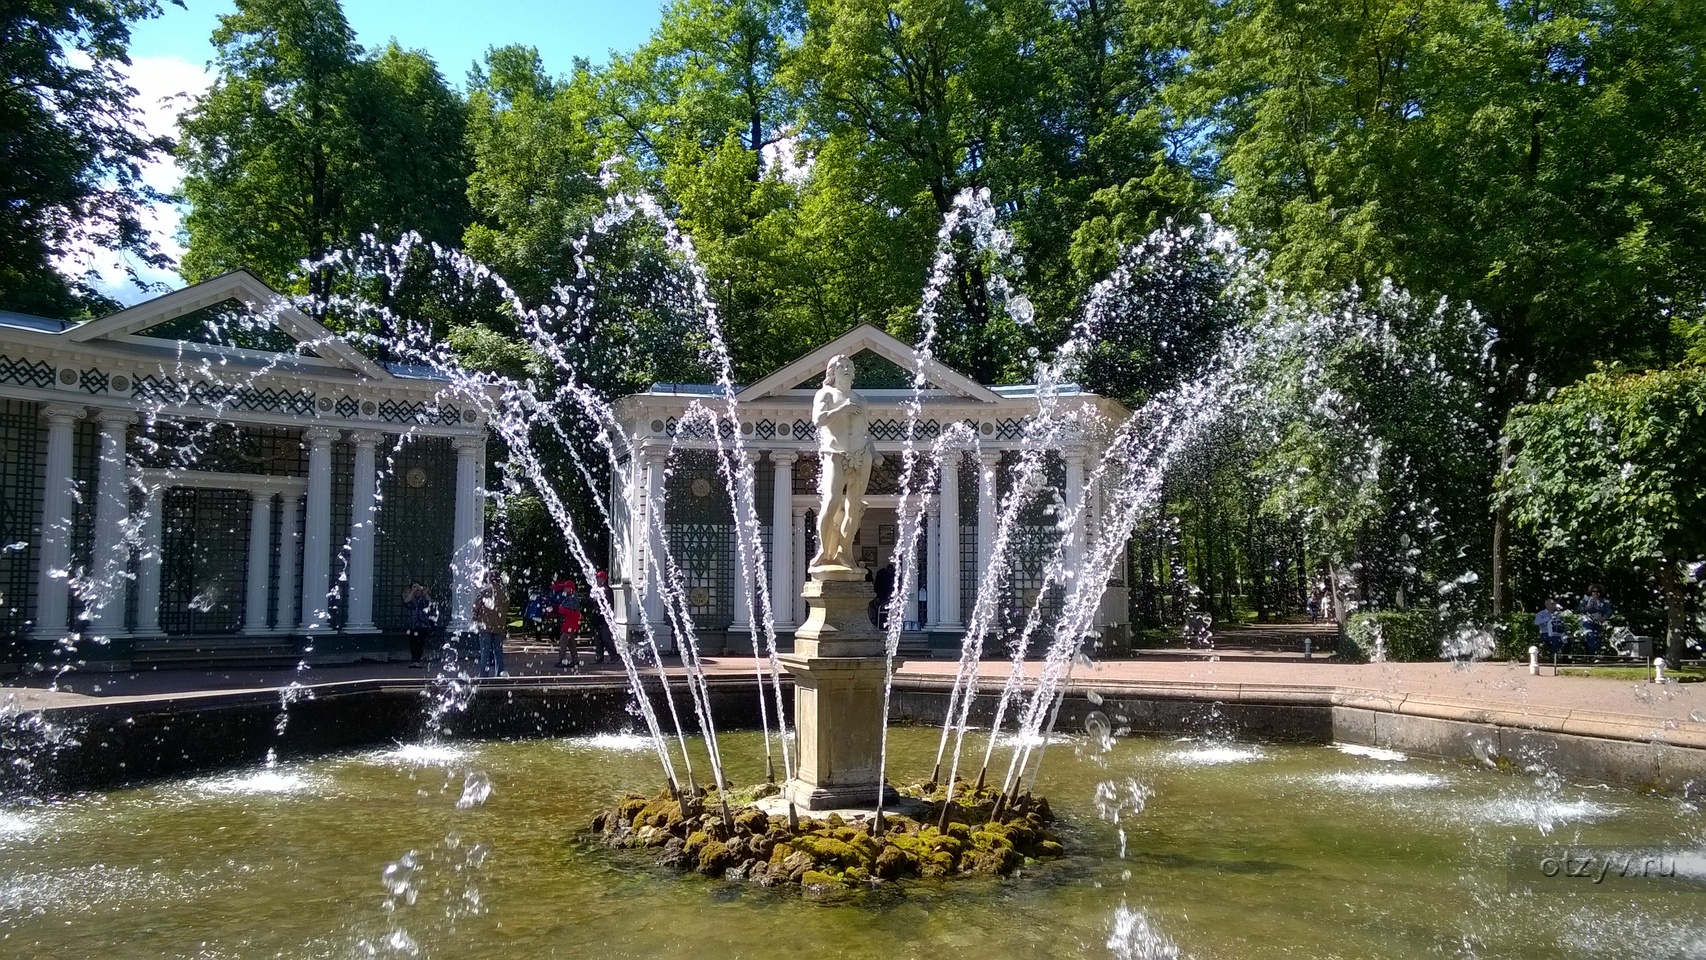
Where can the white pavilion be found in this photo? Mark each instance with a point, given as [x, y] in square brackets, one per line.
[675, 463]
[171, 493]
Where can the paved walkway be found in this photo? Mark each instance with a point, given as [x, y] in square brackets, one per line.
[1504, 688]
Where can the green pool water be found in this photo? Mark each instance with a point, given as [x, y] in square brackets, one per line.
[1241, 851]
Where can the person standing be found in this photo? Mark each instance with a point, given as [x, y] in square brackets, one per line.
[491, 616]
[1553, 630]
[603, 636]
[418, 620]
[569, 630]
[1596, 612]
[883, 582]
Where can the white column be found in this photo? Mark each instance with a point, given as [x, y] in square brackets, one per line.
[364, 519]
[989, 486]
[945, 596]
[109, 560]
[783, 586]
[931, 556]
[53, 593]
[797, 581]
[289, 543]
[470, 529]
[1073, 496]
[748, 577]
[653, 522]
[148, 564]
[260, 564]
[317, 537]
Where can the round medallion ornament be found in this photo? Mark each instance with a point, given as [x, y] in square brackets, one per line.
[699, 596]
[657, 426]
[701, 487]
[121, 383]
[369, 408]
[325, 404]
[784, 428]
[416, 477]
[68, 376]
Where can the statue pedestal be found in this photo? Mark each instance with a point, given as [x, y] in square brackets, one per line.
[838, 667]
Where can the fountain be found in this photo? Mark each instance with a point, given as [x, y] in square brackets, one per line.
[838, 664]
[468, 847]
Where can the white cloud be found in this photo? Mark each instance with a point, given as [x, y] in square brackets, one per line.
[165, 87]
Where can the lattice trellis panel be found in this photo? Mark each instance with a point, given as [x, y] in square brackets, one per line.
[164, 389]
[223, 448]
[204, 560]
[22, 462]
[29, 373]
[971, 563]
[426, 413]
[1033, 542]
[896, 430]
[417, 521]
[343, 476]
[700, 519]
[85, 461]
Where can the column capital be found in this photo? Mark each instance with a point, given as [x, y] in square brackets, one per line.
[320, 435]
[288, 497]
[469, 445]
[261, 495]
[115, 415]
[367, 438]
[752, 456]
[989, 458]
[64, 413]
[784, 457]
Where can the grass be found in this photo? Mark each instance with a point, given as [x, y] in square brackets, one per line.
[1680, 674]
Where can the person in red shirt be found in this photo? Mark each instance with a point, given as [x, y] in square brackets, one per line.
[569, 614]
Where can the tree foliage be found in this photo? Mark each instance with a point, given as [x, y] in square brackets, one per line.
[305, 143]
[72, 150]
[1615, 466]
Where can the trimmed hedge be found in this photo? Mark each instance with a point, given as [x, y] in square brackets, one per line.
[1409, 636]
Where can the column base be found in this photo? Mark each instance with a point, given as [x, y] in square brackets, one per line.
[818, 799]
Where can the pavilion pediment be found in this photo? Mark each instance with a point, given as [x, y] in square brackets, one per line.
[235, 311]
[881, 361]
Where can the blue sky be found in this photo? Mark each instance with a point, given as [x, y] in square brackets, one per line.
[169, 56]
[455, 32]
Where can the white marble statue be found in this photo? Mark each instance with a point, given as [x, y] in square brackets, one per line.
[845, 455]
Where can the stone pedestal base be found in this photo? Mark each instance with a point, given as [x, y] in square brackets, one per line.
[838, 667]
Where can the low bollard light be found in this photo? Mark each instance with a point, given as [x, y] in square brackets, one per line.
[1308, 649]
[1658, 669]
[1534, 661]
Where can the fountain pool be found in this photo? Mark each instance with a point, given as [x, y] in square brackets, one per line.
[1240, 850]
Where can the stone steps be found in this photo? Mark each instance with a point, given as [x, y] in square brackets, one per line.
[215, 651]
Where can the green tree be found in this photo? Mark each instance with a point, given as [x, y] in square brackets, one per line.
[1540, 160]
[704, 120]
[71, 149]
[1616, 465]
[304, 143]
[914, 102]
[1372, 432]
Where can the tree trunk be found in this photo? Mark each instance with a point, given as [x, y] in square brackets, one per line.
[1676, 611]
[1501, 536]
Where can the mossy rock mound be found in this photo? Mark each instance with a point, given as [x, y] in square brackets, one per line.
[980, 836]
